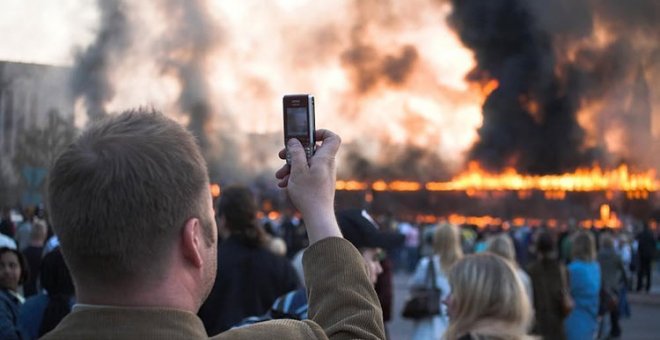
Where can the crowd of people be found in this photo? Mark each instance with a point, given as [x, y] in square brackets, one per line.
[134, 246]
[575, 281]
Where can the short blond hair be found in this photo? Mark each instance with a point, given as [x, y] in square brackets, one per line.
[488, 299]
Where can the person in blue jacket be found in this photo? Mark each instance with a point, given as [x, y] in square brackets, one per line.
[584, 283]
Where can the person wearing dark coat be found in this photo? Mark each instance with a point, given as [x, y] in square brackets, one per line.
[613, 276]
[250, 277]
[13, 273]
[42, 312]
[548, 276]
[646, 251]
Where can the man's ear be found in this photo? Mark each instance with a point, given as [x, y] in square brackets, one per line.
[192, 242]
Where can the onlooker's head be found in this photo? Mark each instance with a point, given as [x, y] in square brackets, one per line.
[57, 282]
[360, 229]
[54, 274]
[545, 244]
[606, 241]
[487, 299]
[447, 243]
[583, 247]
[124, 195]
[237, 212]
[28, 213]
[13, 269]
[38, 232]
[502, 245]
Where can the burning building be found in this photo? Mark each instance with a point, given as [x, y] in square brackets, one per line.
[425, 93]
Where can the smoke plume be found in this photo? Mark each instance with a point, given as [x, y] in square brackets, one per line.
[169, 40]
[93, 67]
[569, 73]
[192, 37]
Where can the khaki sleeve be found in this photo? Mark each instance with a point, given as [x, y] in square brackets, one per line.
[341, 298]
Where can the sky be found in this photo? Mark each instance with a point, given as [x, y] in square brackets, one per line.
[45, 32]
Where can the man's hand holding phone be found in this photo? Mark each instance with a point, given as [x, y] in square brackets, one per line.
[311, 185]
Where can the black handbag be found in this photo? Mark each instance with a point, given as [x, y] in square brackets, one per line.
[424, 301]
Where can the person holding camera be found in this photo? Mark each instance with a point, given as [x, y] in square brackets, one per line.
[131, 205]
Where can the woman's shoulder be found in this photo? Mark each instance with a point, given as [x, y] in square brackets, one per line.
[587, 267]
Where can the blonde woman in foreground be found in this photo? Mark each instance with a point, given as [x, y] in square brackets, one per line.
[446, 251]
[487, 300]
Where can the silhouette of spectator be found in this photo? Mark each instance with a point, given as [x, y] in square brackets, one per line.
[584, 281]
[7, 226]
[447, 250]
[42, 312]
[33, 254]
[613, 276]
[549, 285]
[23, 231]
[13, 272]
[250, 276]
[646, 244]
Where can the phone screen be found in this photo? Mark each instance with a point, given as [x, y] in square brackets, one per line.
[296, 121]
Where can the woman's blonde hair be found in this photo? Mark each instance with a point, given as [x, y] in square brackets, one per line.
[447, 244]
[583, 246]
[487, 299]
[503, 246]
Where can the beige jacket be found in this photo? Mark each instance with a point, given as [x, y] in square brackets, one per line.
[342, 305]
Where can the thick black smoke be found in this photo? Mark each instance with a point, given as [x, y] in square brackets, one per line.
[510, 48]
[93, 67]
[545, 73]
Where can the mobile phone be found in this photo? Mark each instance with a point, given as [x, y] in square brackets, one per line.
[299, 122]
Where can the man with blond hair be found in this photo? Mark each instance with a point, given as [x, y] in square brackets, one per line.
[130, 203]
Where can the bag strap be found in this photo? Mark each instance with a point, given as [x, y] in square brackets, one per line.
[430, 273]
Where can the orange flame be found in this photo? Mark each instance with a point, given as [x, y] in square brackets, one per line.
[215, 190]
[594, 179]
[489, 87]
[475, 181]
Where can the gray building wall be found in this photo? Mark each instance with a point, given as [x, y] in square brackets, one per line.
[28, 93]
